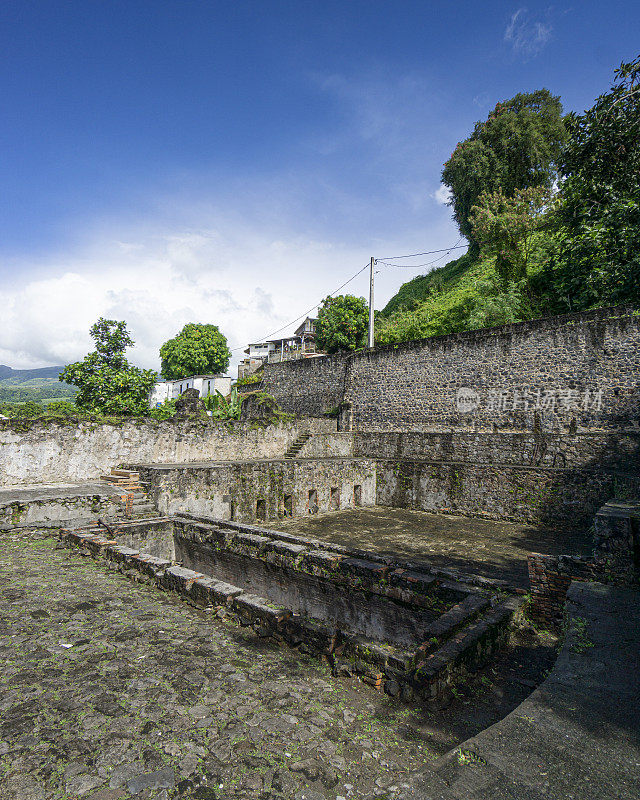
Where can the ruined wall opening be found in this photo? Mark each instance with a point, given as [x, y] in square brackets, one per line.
[357, 495]
[261, 509]
[313, 501]
[334, 499]
[287, 506]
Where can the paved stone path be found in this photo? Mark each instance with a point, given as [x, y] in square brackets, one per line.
[111, 689]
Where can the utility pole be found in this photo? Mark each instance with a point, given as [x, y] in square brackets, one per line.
[370, 337]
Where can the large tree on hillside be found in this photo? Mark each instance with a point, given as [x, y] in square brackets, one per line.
[598, 208]
[197, 350]
[106, 382]
[517, 147]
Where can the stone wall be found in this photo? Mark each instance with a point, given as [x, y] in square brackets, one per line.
[557, 373]
[309, 386]
[44, 452]
[51, 508]
[261, 490]
[538, 495]
[618, 451]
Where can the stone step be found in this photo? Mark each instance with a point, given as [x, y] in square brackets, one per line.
[125, 473]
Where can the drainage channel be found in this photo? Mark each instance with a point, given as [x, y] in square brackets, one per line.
[407, 631]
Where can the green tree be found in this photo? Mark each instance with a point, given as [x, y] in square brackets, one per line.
[599, 203]
[504, 227]
[342, 323]
[106, 382]
[515, 148]
[196, 350]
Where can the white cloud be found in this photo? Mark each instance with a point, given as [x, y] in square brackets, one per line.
[247, 278]
[442, 195]
[245, 281]
[527, 37]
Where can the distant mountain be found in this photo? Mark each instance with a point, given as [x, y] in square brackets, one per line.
[20, 375]
[40, 385]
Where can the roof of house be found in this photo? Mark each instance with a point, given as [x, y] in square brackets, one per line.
[191, 377]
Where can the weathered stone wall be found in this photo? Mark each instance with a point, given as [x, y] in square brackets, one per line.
[49, 509]
[539, 495]
[328, 445]
[619, 451]
[541, 374]
[310, 386]
[44, 452]
[234, 491]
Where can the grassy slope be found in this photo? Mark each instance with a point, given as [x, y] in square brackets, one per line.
[461, 296]
[433, 304]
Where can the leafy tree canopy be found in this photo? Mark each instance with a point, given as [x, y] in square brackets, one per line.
[504, 227]
[197, 350]
[599, 201]
[515, 148]
[342, 323]
[106, 382]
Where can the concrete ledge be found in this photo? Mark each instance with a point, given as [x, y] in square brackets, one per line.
[577, 735]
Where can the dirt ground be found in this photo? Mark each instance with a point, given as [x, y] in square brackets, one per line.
[111, 689]
[488, 548]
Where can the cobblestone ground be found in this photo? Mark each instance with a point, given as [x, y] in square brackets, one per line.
[111, 689]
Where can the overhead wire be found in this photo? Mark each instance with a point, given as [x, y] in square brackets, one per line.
[384, 262]
[306, 313]
[456, 246]
[446, 251]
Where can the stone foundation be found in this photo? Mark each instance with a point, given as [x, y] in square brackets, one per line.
[403, 630]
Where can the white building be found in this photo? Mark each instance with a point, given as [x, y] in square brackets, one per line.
[205, 384]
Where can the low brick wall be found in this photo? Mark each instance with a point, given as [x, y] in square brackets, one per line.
[451, 627]
[616, 560]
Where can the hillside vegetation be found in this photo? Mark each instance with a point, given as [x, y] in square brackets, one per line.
[550, 206]
[465, 294]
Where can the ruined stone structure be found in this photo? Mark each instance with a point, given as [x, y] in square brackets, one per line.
[535, 423]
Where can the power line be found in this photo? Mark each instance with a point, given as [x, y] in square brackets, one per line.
[306, 313]
[428, 263]
[456, 246]
[444, 250]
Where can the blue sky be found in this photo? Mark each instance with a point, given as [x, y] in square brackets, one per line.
[233, 162]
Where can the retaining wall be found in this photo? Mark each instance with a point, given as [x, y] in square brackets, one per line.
[265, 490]
[524, 494]
[620, 451]
[576, 370]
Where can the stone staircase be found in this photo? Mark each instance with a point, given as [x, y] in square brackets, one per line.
[297, 446]
[136, 499]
